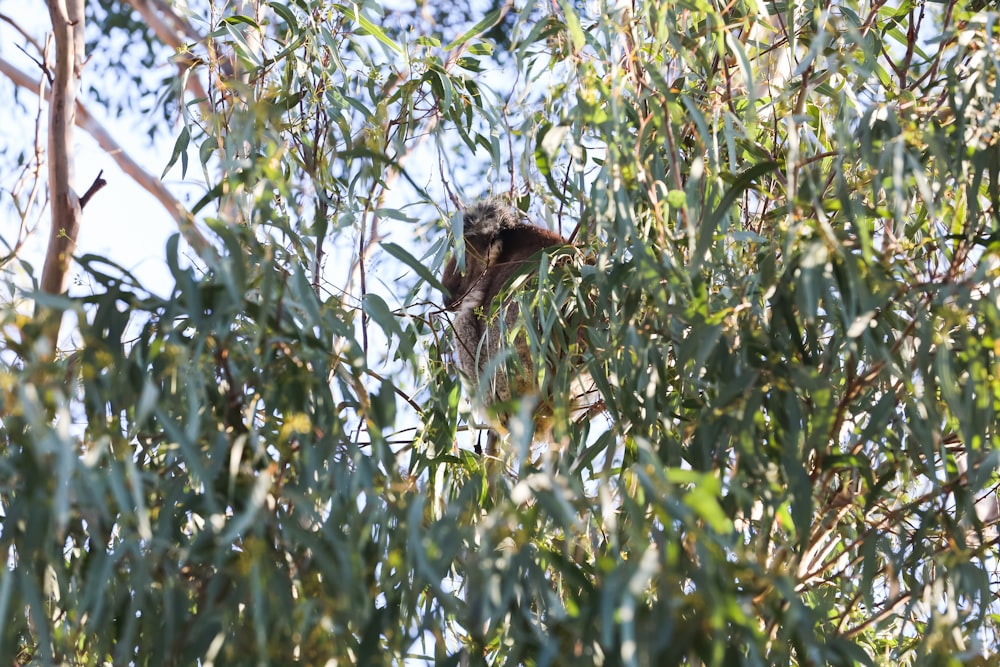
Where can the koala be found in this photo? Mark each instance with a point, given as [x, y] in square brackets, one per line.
[498, 245]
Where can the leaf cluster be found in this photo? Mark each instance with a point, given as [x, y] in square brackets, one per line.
[783, 291]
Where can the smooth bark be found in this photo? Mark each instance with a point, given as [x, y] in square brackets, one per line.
[67, 30]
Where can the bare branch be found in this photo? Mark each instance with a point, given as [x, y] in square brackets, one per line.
[149, 182]
[28, 38]
[164, 21]
[30, 173]
[93, 189]
[144, 179]
[173, 31]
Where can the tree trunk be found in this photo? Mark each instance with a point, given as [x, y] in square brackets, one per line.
[67, 28]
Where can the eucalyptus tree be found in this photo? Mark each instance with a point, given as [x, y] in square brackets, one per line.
[783, 285]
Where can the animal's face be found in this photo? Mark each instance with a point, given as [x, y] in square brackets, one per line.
[497, 244]
[459, 283]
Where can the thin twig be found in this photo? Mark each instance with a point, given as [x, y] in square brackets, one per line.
[104, 139]
[93, 189]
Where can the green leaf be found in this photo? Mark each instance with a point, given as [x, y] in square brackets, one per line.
[205, 151]
[377, 309]
[742, 182]
[354, 13]
[402, 255]
[180, 151]
[286, 14]
[248, 54]
[488, 21]
[573, 24]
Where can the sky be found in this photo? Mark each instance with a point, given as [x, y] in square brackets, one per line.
[122, 222]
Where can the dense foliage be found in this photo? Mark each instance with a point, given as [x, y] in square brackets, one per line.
[785, 290]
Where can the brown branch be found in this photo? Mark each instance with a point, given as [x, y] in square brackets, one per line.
[165, 22]
[399, 392]
[173, 31]
[28, 38]
[102, 136]
[93, 189]
[887, 611]
[32, 171]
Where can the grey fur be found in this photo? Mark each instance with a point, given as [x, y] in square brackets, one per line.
[497, 246]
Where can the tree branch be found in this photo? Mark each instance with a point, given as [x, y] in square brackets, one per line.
[93, 189]
[144, 179]
[173, 31]
[165, 22]
[28, 38]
